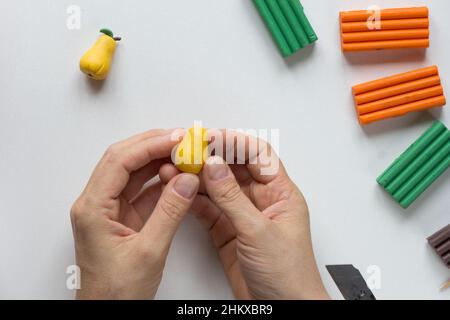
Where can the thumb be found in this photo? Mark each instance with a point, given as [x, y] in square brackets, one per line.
[172, 206]
[225, 192]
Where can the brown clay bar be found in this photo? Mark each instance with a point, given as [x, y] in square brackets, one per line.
[440, 241]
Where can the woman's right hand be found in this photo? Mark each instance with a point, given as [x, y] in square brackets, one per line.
[259, 224]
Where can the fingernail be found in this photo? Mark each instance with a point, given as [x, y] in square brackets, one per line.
[186, 185]
[177, 134]
[216, 168]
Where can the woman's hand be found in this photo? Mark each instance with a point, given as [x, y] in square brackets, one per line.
[259, 223]
[122, 233]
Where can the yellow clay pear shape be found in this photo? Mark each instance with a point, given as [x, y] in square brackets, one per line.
[96, 62]
[192, 151]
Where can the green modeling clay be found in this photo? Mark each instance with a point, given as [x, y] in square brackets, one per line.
[419, 166]
[287, 23]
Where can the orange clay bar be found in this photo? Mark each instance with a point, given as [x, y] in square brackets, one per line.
[399, 94]
[359, 26]
[385, 35]
[394, 80]
[391, 44]
[387, 29]
[386, 14]
[401, 99]
[398, 89]
[404, 109]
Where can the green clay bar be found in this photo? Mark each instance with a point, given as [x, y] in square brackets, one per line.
[419, 166]
[287, 23]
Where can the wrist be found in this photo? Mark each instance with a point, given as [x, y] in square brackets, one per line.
[109, 289]
[306, 290]
[315, 293]
[92, 291]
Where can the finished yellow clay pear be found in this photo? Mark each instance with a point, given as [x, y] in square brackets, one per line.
[192, 151]
[96, 62]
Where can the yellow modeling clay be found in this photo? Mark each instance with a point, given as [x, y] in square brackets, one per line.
[192, 152]
[96, 62]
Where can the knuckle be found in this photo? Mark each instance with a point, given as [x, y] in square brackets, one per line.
[256, 229]
[148, 252]
[80, 212]
[118, 153]
[204, 208]
[76, 211]
[112, 153]
[230, 192]
[171, 208]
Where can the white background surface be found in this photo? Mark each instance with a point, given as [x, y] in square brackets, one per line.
[213, 61]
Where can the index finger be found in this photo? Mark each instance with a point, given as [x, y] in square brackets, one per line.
[258, 155]
[112, 173]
